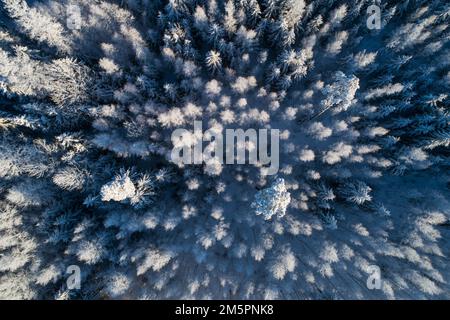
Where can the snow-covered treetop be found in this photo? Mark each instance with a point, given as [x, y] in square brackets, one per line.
[341, 92]
[272, 201]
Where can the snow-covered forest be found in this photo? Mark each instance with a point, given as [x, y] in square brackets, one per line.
[91, 91]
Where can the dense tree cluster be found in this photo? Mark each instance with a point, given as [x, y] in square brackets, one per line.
[86, 120]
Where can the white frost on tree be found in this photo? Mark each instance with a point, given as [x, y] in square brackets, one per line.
[213, 60]
[117, 284]
[121, 188]
[356, 192]
[341, 92]
[37, 24]
[272, 201]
